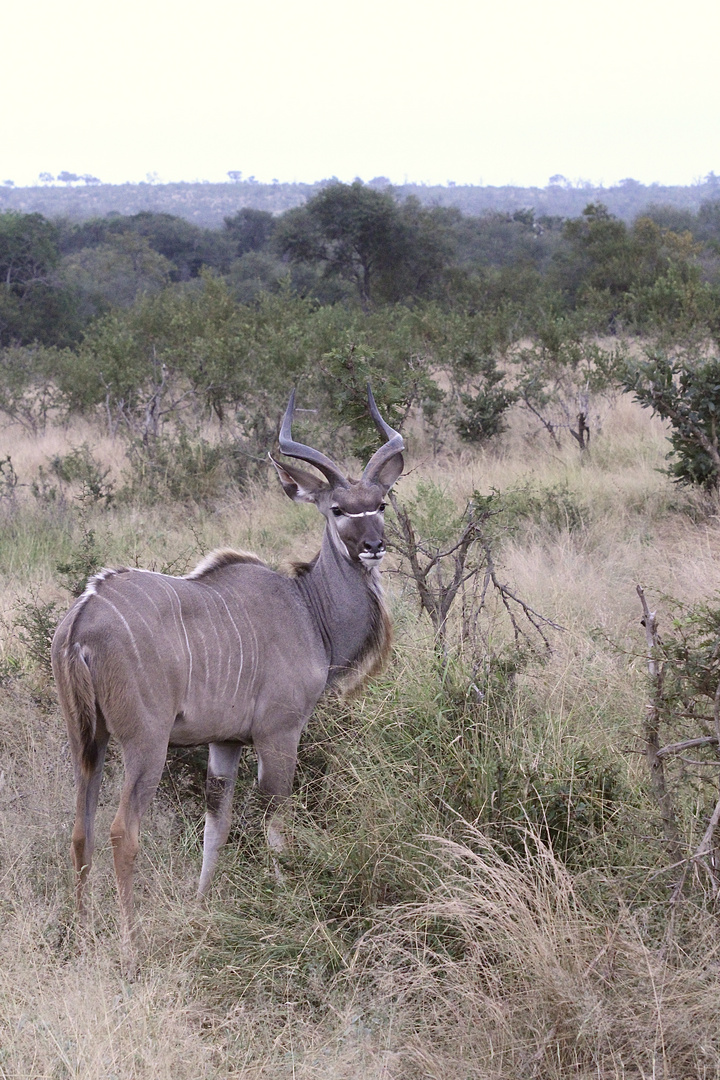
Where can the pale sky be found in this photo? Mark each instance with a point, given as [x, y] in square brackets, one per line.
[508, 91]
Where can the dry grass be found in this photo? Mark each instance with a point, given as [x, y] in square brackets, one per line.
[404, 941]
[504, 971]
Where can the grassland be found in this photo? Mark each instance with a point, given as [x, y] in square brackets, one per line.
[479, 886]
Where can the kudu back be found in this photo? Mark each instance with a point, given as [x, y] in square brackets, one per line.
[231, 654]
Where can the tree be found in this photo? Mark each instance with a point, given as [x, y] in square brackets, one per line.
[354, 230]
[187, 246]
[596, 257]
[28, 249]
[249, 229]
[115, 274]
[686, 392]
[386, 249]
[612, 271]
[32, 305]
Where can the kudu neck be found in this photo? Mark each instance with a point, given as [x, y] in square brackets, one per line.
[344, 599]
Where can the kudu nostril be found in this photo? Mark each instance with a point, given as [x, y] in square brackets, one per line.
[374, 547]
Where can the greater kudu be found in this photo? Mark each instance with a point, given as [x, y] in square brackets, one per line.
[231, 654]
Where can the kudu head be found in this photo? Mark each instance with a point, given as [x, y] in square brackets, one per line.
[354, 509]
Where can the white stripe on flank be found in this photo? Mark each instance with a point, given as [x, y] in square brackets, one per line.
[182, 623]
[202, 637]
[169, 585]
[124, 622]
[220, 597]
[211, 620]
[146, 594]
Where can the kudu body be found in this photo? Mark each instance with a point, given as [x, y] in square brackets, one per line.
[231, 654]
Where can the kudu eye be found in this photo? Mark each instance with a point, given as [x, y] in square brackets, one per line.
[381, 507]
[337, 511]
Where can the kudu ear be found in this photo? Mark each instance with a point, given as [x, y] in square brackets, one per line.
[388, 473]
[300, 486]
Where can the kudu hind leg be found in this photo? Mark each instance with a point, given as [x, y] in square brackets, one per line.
[143, 769]
[83, 835]
[223, 761]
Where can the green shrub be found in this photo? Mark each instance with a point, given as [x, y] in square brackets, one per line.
[36, 622]
[84, 561]
[483, 409]
[181, 467]
[82, 467]
[685, 391]
[555, 508]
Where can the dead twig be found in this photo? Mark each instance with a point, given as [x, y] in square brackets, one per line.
[705, 852]
[653, 714]
[687, 744]
[440, 573]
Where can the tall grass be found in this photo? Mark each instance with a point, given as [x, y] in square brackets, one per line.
[478, 884]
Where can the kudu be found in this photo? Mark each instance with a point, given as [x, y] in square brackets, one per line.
[231, 654]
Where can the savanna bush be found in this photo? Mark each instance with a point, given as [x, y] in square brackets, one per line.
[685, 390]
[179, 466]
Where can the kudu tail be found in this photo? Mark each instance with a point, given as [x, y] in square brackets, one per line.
[79, 703]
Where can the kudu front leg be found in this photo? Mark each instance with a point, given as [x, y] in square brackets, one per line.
[277, 759]
[223, 761]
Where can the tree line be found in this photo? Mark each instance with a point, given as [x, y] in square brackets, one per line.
[80, 197]
[157, 321]
[356, 243]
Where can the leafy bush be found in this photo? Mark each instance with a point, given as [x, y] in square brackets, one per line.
[179, 466]
[483, 410]
[28, 394]
[555, 507]
[36, 622]
[81, 466]
[84, 561]
[685, 391]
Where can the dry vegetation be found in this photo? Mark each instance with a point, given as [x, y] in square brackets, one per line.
[479, 887]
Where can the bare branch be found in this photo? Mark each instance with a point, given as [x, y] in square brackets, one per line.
[440, 574]
[652, 732]
[547, 424]
[533, 617]
[687, 744]
[705, 845]
[704, 852]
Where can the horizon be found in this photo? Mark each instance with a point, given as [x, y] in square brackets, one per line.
[84, 182]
